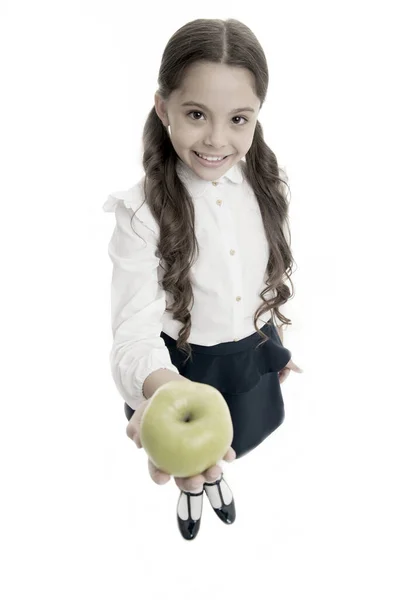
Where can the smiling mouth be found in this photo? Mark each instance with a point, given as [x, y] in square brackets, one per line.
[204, 157]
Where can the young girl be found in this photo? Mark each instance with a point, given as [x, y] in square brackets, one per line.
[212, 209]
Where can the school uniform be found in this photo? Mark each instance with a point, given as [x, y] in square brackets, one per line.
[227, 278]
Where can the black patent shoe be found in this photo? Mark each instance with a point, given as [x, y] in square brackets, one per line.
[221, 499]
[189, 511]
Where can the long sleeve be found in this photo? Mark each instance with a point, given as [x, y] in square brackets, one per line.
[137, 303]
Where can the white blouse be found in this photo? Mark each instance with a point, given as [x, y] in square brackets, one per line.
[227, 278]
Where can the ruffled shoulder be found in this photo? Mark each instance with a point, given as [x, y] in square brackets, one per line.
[133, 198]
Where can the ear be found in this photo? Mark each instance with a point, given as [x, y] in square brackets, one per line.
[160, 109]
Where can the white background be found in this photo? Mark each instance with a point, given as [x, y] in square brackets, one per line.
[316, 503]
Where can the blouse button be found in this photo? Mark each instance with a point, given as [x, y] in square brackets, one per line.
[214, 182]
[219, 202]
[232, 252]
[235, 340]
[238, 298]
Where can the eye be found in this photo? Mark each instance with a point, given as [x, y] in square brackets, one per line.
[198, 112]
[194, 112]
[245, 120]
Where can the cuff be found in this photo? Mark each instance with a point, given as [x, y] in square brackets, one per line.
[277, 356]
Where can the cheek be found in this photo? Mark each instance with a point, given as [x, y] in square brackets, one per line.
[242, 141]
[248, 138]
[184, 136]
[248, 143]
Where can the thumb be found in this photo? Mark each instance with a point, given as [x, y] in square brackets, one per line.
[137, 441]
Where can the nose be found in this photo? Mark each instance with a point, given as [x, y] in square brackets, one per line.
[215, 137]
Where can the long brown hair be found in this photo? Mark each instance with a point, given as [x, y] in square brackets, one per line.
[232, 43]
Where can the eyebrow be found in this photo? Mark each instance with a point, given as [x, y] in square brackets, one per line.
[191, 103]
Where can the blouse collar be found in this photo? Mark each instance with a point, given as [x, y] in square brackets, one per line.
[198, 186]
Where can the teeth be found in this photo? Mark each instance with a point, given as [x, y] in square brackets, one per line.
[211, 159]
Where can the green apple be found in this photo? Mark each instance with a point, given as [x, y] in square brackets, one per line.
[186, 428]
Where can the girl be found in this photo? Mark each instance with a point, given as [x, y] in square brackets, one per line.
[212, 208]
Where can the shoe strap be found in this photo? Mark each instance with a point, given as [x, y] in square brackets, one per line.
[192, 493]
[215, 482]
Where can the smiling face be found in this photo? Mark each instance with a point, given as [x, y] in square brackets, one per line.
[203, 117]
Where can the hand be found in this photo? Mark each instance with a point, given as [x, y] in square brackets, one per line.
[291, 366]
[188, 484]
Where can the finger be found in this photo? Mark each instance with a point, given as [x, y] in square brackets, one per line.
[158, 476]
[294, 367]
[178, 481]
[284, 372]
[190, 484]
[135, 439]
[212, 474]
[230, 455]
[181, 484]
[133, 426]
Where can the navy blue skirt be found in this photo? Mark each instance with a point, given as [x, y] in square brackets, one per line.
[247, 378]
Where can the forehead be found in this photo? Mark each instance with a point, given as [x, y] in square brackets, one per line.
[220, 87]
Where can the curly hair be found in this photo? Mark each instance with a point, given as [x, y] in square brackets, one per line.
[232, 43]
